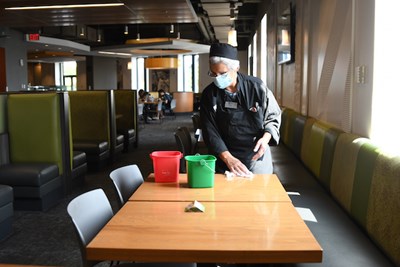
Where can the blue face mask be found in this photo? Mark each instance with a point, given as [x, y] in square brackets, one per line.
[223, 81]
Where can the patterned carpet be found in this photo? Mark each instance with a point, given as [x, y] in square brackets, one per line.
[48, 238]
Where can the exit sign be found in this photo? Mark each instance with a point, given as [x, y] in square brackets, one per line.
[33, 37]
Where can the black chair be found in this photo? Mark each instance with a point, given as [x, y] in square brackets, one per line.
[169, 111]
[184, 146]
[196, 124]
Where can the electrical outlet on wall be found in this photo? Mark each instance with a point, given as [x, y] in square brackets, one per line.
[360, 74]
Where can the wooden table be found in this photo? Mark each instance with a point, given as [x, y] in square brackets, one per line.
[261, 188]
[227, 232]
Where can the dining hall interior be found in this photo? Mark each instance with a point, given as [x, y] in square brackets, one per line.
[70, 73]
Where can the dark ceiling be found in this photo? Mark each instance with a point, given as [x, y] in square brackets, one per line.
[204, 21]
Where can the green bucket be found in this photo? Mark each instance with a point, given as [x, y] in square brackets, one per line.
[200, 170]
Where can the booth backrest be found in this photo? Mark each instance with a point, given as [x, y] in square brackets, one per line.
[382, 218]
[311, 146]
[344, 168]
[126, 105]
[3, 113]
[291, 130]
[298, 128]
[361, 178]
[318, 145]
[90, 118]
[34, 128]
[366, 182]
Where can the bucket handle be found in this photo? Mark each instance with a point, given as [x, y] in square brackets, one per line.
[204, 163]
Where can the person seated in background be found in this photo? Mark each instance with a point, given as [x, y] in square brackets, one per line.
[145, 97]
[166, 99]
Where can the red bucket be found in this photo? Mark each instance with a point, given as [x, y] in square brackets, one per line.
[166, 166]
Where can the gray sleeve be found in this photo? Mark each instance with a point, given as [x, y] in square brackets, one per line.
[272, 118]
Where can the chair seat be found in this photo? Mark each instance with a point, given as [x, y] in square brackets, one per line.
[127, 133]
[28, 174]
[120, 139]
[90, 146]
[79, 158]
[6, 195]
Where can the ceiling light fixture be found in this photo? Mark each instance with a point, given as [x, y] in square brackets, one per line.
[63, 6]
[232, 11]
[137, 32]
[126, 30]
[82, 30]
[99, 37]
[178, 35]
[114, 53]
[161, 63]
[232, 37]
[232, 15]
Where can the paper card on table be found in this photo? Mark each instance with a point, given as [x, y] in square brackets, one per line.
[195, 207]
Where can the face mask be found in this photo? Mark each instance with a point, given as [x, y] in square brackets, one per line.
[223, 81]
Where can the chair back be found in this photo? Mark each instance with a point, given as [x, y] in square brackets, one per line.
[89, 212]
[140, 109]
[126, 180]
[196, 124]
[184, 146]
[173, 104]
[189, 142]
[159, 106]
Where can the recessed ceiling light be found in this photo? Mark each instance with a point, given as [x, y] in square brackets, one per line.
[114, 53]
[63, 6]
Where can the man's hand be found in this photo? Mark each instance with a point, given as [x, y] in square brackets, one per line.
[234, 164]
[261, 146]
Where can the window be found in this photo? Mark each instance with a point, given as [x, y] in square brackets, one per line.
[139, 73]
[385, 130]
[188, 73]
[196, 72]
[180, 74]
[65, 75]
[250, 60]
[263, 50]
[254, 54]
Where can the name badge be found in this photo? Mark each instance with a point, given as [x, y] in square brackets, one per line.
[229, 104]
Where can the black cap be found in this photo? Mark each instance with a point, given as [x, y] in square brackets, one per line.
[223, 50]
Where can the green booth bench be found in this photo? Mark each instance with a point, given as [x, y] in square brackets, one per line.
[6, 211]
[37, 157]
[93, 124]
[350, 186]
[127, 117]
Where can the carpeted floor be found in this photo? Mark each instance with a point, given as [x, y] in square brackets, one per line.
[48, 238]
